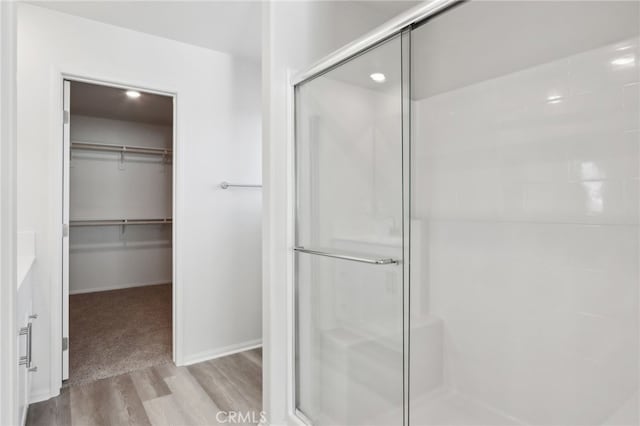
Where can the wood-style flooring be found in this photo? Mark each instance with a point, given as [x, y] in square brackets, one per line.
[200, 394]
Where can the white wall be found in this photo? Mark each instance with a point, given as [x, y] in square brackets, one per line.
[102, 187]
[218, 120]
[8, 257]
[295, 34]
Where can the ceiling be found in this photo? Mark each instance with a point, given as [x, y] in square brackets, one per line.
[110, 102]
[503, 37]
[226, 26]
[445, 58]
[393, 7]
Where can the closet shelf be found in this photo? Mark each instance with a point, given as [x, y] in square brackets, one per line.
[112, 222]
[94, 146]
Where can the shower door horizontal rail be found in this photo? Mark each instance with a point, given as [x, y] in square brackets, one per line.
[113, 222]
[369, 260]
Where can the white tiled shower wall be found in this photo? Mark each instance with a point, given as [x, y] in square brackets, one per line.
[526, 190]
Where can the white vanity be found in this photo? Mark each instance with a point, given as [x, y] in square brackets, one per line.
[25, 319]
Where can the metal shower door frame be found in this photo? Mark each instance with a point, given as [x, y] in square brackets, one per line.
[399, 26]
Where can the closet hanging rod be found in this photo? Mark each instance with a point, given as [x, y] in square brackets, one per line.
[94, 146]
[111, 222]
[225, 185]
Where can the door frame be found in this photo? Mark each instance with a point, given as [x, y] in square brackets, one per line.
[58, 200]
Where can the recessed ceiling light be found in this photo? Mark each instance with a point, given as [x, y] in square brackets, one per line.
[624, 60]
[378, 77]
[133, 94]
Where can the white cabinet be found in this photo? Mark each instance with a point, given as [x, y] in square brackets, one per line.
[24, 317]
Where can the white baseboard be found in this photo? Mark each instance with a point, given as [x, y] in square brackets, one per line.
[220, 352]
[116, 287]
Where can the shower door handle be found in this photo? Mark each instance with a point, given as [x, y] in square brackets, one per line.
[369, 260]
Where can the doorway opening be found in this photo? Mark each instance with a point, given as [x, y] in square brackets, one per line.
[118, 246]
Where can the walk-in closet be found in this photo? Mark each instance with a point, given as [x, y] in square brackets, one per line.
[118, 206]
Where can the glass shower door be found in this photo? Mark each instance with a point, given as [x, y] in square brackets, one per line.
[349, 238]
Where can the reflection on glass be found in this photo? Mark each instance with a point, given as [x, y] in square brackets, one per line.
[624, 61]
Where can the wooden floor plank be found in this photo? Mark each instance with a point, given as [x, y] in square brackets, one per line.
[254, 355]
[149, 384]
[243, 374]
[222, 390]
[63, 408]
[193, 398]
[132, 411]
[81, 406]
[165, 370]
[160, 395]
[43, 414]
[167, 411]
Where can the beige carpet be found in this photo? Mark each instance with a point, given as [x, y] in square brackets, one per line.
[114, 332]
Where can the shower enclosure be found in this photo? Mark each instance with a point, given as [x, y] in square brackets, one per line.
[467, 219]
